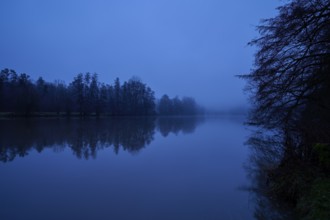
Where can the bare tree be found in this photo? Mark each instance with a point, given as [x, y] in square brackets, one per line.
[291, 68]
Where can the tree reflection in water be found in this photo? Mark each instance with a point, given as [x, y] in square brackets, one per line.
[167, 125]
[267, 152]
[85, 137]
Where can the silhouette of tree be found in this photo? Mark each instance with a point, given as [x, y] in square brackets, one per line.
[117, 97]
[189, 106]
[84, 95]
[103, 101]
[58, 96]
[290, 84]
[138, 99]
[177, 106]
[165, 105]
[5, 103]
[42, 90]
[292, 63]
[94, 94]
[77, 87]
[25, 102]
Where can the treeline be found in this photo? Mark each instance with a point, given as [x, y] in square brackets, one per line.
[85, 95]
[177, 106]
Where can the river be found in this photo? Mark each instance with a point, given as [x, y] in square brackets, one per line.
[124, 168]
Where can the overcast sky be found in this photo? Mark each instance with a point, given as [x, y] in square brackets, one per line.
[179, 47]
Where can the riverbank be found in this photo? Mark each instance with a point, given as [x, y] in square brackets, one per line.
[304, 186]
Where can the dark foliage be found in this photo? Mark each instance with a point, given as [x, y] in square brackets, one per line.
[176, 106]
[291, 79]
[131, 98]
[84, 96]
[290, 87]
[292, 63]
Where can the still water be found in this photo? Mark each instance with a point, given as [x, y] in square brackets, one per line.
[124, 168]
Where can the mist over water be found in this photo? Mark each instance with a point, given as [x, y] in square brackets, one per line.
[184, 48]
[129, 109]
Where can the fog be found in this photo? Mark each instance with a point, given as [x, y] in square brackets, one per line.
[178, 47]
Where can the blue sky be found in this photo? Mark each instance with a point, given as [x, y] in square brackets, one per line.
[179, 47]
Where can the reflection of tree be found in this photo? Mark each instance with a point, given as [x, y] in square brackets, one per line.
[266, 156]
[85, 137]
[166, 125]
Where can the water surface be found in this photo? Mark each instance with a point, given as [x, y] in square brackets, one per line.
[124, 168]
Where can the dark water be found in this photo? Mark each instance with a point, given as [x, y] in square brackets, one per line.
[128, 168]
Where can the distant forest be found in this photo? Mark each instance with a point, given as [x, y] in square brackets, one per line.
[85, 96]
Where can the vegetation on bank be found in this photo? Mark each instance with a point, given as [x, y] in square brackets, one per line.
[290, 87]
[84, 96]
[304, 187]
